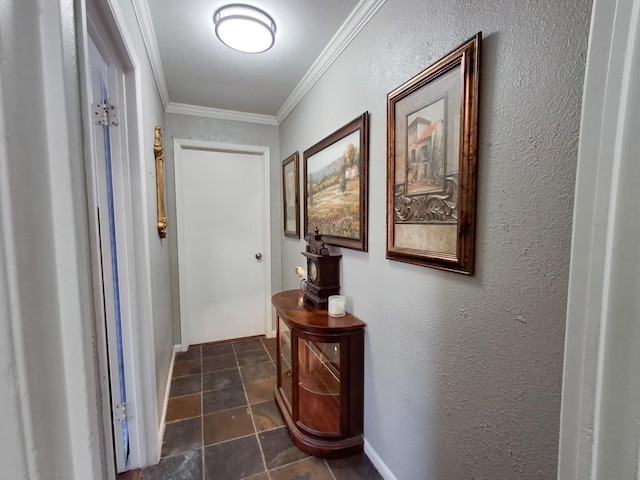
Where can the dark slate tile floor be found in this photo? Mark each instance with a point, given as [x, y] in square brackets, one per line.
[222, 422]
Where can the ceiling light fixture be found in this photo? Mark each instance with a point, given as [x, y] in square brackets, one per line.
[245, 28]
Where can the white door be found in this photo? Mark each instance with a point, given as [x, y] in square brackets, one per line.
[221, 244]
[108, 142]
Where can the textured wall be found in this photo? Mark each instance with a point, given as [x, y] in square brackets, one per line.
[222, 131]
[463, 374]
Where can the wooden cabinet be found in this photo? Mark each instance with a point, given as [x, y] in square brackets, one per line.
[320, 385]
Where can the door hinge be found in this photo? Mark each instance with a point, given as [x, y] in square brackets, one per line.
[122, 412]
[104, 114]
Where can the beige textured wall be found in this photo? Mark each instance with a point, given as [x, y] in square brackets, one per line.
[463, 374]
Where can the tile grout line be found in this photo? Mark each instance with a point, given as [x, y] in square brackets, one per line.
[329, 468]
[269, 476]
[255, 429]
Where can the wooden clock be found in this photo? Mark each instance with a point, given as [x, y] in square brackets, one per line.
[323, 272]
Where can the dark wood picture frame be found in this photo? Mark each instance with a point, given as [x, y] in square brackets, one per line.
[291, 195]
[432, 127]
[335, 168]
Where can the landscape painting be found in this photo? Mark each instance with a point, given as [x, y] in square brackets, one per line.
[335, 186]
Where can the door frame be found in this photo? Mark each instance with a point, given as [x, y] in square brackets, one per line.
[106, 19]
[180, 144]
[105, 294]
[598, 435]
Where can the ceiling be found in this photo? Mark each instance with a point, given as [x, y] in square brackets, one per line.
[199, 71]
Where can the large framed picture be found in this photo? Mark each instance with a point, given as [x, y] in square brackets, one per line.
[335, 186]
[291, 195]
[432, 126]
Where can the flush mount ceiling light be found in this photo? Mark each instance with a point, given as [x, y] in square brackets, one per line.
[245, 28]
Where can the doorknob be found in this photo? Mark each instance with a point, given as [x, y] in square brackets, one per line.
[258, 256]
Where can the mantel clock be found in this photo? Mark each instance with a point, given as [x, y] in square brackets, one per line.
[323, 272]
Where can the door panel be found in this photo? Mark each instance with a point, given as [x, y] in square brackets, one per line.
[104, 169]
[221, 211]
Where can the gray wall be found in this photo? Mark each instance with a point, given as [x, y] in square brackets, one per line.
[161, 313]
[463, 374]
[222, 131]
[48, 378]
[32, 372]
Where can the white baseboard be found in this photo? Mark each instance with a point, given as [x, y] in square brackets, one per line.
[272, 334]
[377, 462]
[165, 403]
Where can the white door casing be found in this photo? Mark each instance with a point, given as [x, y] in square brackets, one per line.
[222, 210]
[113, 245]
[600, 415]
[105, 24]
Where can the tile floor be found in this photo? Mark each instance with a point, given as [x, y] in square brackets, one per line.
[222, 422]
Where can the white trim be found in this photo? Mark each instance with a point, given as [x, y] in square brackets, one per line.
[165, 404]
[12, 342]
[99, 343]
[198, 111]
[143, 16]
[377, 462]
[599, 341]
[74, 300]
[360, 16]
[140, 369]
[178, 145]
[146, 389]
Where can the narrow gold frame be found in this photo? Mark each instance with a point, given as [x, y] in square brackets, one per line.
[158, 150]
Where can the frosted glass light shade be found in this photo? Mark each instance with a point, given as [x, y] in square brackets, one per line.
[244, 28]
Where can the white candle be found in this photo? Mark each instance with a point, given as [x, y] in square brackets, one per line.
[336, 305]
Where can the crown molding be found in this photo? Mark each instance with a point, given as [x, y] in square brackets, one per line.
[341, 40]
[198, 111]
[356, 21]
[143, 16]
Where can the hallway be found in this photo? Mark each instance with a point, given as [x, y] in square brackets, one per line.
[222, 422]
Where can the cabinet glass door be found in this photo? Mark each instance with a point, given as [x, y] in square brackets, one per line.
[286, 372]
[319, 386]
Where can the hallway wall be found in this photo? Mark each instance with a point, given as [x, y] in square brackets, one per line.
[48, 373]
[463, 374]
[47, 386]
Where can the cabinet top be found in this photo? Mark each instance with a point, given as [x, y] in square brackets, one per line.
[291, 306]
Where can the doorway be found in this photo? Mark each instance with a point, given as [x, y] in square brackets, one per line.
[119, 252]
[108, 159]
[223, 232]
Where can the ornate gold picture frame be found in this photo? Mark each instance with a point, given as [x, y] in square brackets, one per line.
[158, 151]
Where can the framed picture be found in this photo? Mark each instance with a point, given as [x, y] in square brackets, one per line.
[158, 151]
[335, 186]
[432, 126]
[291, 195]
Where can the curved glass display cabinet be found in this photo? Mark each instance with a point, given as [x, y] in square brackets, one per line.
[320, 383]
